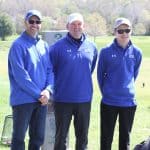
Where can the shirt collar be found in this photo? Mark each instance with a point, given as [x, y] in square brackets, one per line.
[128, 45]
[79, 41]
[30, 38]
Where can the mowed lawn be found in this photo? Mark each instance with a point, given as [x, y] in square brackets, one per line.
[141, 127]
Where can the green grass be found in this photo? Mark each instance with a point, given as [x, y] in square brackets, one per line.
[141, 127]
[143, 43]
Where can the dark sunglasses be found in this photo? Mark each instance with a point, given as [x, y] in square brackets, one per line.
[121, 31]
[34, 21]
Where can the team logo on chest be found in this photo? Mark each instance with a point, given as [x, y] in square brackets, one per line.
[68, 50]
[131, 56]
[113, 55]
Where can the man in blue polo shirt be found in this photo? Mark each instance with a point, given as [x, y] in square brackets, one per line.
[31, 82]
[73, 59]
[118, 67]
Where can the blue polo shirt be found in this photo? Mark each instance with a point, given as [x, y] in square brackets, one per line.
[73, 62]
[116, 73]
[30, 70]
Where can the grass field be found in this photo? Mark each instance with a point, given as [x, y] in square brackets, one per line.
[141, 128]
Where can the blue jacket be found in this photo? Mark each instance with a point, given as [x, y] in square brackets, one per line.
[117, 71]
[29, 68]
[73, 63]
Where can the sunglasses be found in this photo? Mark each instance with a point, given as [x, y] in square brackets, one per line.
[121, 31]
[34, 21]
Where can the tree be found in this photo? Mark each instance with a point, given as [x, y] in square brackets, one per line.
[57, 11]
[95, 25]
[6, 26]
[139, 29]
[145, 20]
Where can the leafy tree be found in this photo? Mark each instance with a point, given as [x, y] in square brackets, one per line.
[138, 11]
[47, 23]
[145, 20]
[139, 29]
[95, 25]
[6, 26]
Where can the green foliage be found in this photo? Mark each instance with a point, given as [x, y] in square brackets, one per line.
[6, 26]
[47, 23]
[53, 24]
[138, 11]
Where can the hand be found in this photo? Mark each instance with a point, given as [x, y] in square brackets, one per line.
[45, 95]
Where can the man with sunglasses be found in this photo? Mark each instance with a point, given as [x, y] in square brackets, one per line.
[118, 67]
[31, 82]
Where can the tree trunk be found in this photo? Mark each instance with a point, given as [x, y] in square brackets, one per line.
[3, 38]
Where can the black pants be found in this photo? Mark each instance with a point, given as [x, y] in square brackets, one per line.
[63, 116]
[109, 116]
